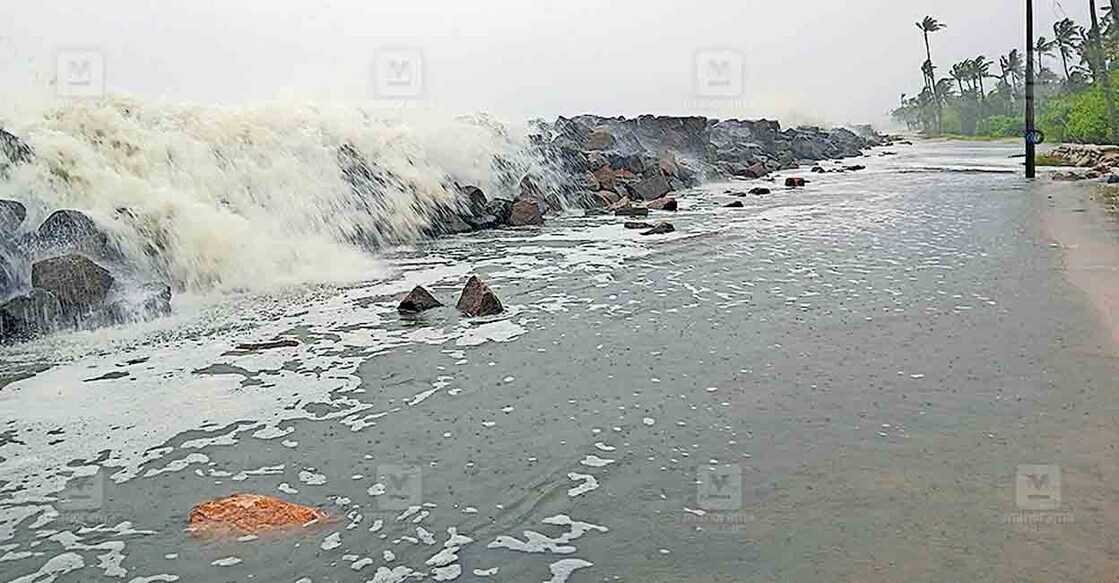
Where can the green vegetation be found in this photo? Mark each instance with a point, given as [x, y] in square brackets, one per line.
[1047, 160]
[1074, 104]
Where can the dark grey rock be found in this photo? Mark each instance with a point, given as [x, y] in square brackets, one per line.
[33, 314]
[653, 186]
[70, 231]
[12, 215]
[80, 285]
[418, 300]
[500, 209]
[660, 229]
[13, 150]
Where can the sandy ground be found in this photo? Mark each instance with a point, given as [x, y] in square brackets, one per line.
[1082, 220]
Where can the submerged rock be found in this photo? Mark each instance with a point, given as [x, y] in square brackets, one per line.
[795, 182]
[665, 203]
[80, 285]
[734, 205]
[632, 211]
[269, 345]
[525, 213]
[242, 514]
[634, 225]
[760, 190]
[418, 300]
[12, 215]
[33, 314]
[660, 229]
[478, 299]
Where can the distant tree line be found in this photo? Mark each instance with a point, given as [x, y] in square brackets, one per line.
[1076, 78]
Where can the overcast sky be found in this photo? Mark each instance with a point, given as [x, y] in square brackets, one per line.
[804, 60]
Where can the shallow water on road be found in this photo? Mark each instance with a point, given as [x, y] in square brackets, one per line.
[832, 383]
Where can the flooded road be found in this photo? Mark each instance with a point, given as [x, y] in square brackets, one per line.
[884, 376]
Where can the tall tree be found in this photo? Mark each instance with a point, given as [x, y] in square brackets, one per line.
[959, 72]
[1102, 75]
[1044, 47]
[1065, 35]
[928, 26]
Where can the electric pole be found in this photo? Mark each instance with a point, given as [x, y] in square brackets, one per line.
[1031, 133]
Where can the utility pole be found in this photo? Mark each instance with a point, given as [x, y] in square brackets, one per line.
[1031, 132]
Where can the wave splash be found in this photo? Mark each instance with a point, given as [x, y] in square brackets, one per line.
[212, 197]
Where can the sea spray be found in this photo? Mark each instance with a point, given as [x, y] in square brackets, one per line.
[212, 198]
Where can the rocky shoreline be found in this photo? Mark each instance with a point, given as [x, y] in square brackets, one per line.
[68, 274]
[1102, 162]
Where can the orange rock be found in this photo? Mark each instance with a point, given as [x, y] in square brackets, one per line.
[242, 514]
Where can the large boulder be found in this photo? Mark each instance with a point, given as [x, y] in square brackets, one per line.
[72, 232]
[80, 285]
[478, 299]
[653, 186]
[35, 313]
[500, 209]
[12, 214]
[525, 213]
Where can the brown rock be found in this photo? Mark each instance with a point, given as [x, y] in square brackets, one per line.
[418, 300]
[760, 190]
[525, 213]
[478, 299]
[622, 203]
[795, 182]
[665, 203]
[637, 225]
[606, 178]
[242, 514]
[668, 164]
[600, 139]
[660, 229]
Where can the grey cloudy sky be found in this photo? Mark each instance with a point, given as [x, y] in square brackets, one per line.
[808, 60]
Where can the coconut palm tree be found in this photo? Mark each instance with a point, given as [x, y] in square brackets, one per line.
[982, 71]
[1066, 33]
[1044, 47]
[1012, 68]
[927, 26]
[959, 72]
